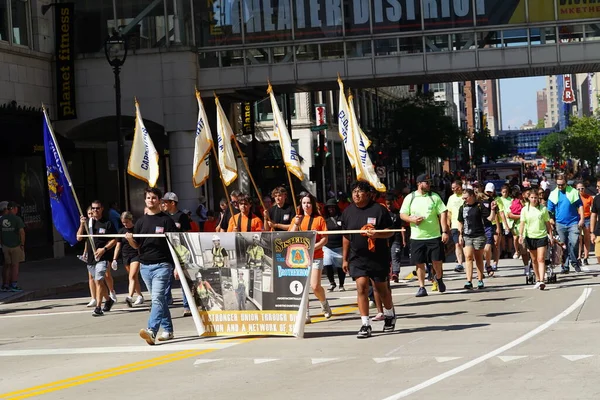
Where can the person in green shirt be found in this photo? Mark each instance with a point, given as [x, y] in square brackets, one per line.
[536, 232]
[455, 202]
[505, 200]
[426, 213]
[12, 240]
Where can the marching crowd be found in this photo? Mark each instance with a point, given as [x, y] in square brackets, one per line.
[479, 223]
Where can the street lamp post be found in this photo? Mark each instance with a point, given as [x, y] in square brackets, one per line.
[115, 49]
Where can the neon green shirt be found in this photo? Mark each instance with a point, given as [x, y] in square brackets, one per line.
[430, 206]
[535, 221]
[454, 203]
[504, 204]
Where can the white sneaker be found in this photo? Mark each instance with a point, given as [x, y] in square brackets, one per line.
[92, 303]
[542, 285]
[139, 301]
[166, 336]
[148, 336]
[372, 304]
[327, 313]
[538, 285]
[113, 296]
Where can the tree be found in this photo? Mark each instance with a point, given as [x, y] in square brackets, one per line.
[583, 139]
[540, 124]
[552, 146]
[490, 147]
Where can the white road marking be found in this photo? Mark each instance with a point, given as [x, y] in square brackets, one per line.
[322, 360]
[117, 349]
[494, 353]
[385, 359]
[389, 353]
[264, 360]
[206, 360]
[578, 357]
[53, 314]
[446, 359]
[511, 358]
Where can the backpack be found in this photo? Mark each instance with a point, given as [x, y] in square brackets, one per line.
[201, 212]
[412, 197]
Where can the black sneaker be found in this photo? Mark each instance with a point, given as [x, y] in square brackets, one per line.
[97, 312]
[422, 292]
[364, 332]
[577, 268]
[459, 268]
[129, 301]
[565, 270]
[585, 261]
[389, 323]
[331, 287]
[108, 304]
[468, 286]
[441, 285]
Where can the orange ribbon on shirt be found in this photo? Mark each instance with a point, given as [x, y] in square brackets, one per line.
[370, 240]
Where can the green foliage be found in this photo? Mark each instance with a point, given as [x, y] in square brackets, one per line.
[583, 139]
[552, 146]
[490, 147]
[540, 124]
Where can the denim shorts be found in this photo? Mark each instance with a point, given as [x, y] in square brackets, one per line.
[586, 222]
[98, 270]
[332, 257]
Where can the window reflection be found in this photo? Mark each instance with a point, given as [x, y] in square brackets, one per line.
[3, 21]
[463, 41]
[545, 35]
[384, 47]
[232, 58]
[437, 43]
[592, 32]
[411, 45]
[359, 49]
[20, 33]
[307, 52]
[332, 51]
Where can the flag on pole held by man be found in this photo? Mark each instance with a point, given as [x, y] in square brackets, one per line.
[65, 212]
[143, 159]
[203, 146]
[289, 153]
[365, 170]
[344, 125]
[227, 161]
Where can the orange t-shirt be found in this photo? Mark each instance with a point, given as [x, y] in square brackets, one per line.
[256, 224]
[318, 224]
[587, 205]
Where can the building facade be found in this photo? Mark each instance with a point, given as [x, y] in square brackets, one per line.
[542, 105]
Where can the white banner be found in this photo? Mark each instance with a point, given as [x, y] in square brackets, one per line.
[202, 147]
[227, 161]
[143, 159]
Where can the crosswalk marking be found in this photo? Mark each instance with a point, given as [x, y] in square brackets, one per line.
[385, 359]
[511, 358]
[577, 357]
[446, 359]
[264, 360]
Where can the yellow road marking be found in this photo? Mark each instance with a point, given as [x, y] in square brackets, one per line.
[337, 311]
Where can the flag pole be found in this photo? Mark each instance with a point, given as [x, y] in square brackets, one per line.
[222, 182]
[259, 194]
[66, 171]
[292, 189]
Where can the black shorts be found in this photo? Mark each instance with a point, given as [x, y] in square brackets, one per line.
[425, 251]
[454, 234]
[533, 244]
[129, 260]
[377, 274]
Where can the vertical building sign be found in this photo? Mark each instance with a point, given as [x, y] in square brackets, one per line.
[320, 115]
[65, 61]
[590, 93]
[568, 94]
[248, 118]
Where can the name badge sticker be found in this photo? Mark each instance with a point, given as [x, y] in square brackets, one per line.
[178, 225]
[101, 231]
[371, 220]
[286, 217]
[159, 229]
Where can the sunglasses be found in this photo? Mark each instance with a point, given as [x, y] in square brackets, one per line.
[580, 188]
[95, 208]
[561, 184]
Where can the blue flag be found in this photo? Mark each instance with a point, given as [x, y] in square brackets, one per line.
[65, 212]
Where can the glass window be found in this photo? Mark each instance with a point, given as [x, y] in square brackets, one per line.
[271, 22]
[3, 21]
[411, 45]
[283, 54]
[258, 56]
[488, 39]
[20, 32]
[545, 35]
[570, 33]
[209, 59]
[307, 52]
[359, 49]
[592, 32]
[231, 58]
[313, 20]
[332, 50]
[514, 38]
[463, 41]
[384, 47]
[264, 111]
[436, 43]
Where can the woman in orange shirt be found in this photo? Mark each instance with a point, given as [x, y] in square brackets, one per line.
[245, 221]
[309, 219]
[587, 201]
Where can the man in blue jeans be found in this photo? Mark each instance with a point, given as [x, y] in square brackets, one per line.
[156, 264]
[567, 210]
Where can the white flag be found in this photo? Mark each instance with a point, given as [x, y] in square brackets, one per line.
[344, 125]
[289, 153]
[365, 170]
[227, 161]
[203, 145]
[143, 159]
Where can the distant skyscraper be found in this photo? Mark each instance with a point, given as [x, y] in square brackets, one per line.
[542, 105]
[552, 113]
[491, 104]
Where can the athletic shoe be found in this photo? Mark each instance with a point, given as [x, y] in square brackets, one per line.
[422, 292]
[372, 304]
[576, 266]
[92, 303]
[468, 286]
[395, 278]
[326, 310]
[6, 289]
[364, 332]
[441, 285]
[434, 286]
[97, 312]
[113, 296]
[108, 305]
[494, 267]
[488, 268]
[186, 313]
[564, 270]
[379, 317]
[410, 276]
[129, 301]
[389, 324]
[537, 285]
[166, 336]
[459, 268]
[542, 286]
[307, 321]
[480, 285]
[139, 301]
[516, 256]
[148, 336]
[585, 261]
[15, 288]
[331, 287]
[342, 289]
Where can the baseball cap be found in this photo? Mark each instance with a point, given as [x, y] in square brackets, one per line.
[185, 211]
[423, 178]
[170, 196]
[489, 187]
[215, 238]
[3, 205]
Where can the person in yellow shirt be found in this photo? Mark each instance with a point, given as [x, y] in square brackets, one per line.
[454, 203]
[245, 221]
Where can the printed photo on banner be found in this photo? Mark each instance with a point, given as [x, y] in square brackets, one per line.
[255, 253]
[218, 250]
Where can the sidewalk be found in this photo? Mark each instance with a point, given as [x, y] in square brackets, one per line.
[52, 277]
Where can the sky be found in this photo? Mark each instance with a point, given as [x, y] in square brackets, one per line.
[518, 98]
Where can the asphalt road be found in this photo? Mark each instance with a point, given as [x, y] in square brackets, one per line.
[506, 342]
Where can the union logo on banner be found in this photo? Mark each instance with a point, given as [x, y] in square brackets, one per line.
[568, 94]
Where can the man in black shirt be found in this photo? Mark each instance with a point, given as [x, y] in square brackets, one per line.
[367, 256]
[234, 196]
[156, 264]
[169, 205]
[595, 224]
[99, 255]
[280, 216]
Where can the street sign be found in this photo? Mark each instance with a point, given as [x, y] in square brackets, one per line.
[318, 128]
[405, 159]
